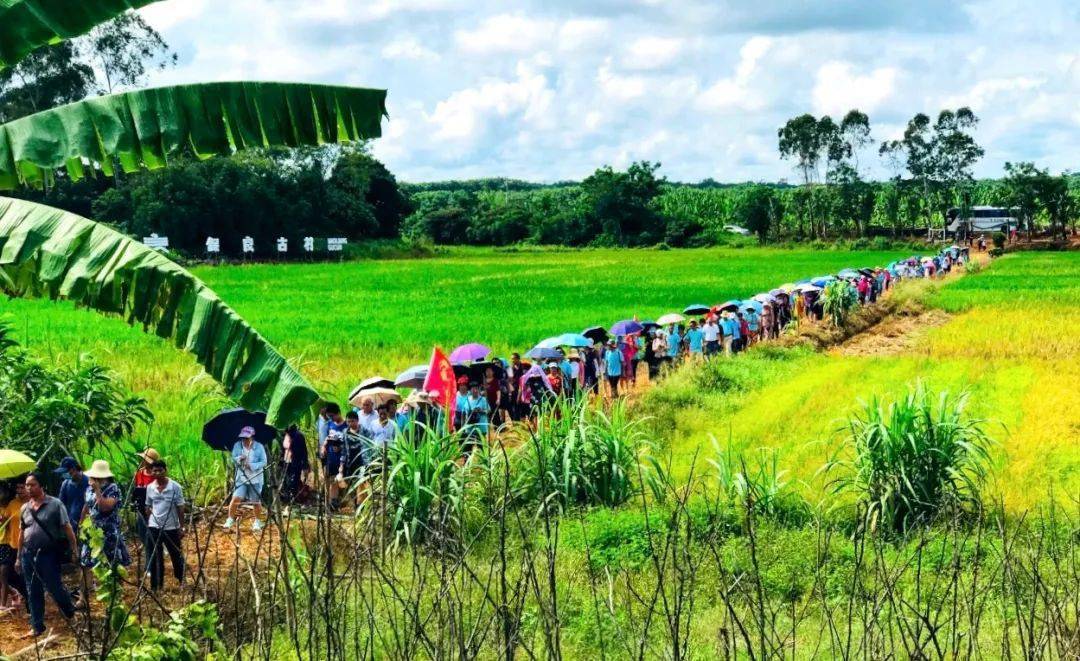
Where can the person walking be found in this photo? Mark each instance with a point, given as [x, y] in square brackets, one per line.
[46, 541]
[12, 497]
[164, 512]
[250, 459]
[695, 340]
[674, 343]
[103, 504]
[613, 364]
[73, 490]
[711, 333]
[138, 496]
[295, 465]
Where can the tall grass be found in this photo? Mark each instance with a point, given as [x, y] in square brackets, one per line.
[840, 300]
[916, 459]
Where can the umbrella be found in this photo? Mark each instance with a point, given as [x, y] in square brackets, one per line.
[765, 298]
[596, 334]
[575, 340]
[223, 430]
[787, 287]
[807, 288]
[673, 318]
[544, 353]
[730, 305]
[476, 370]
[696, 309]
[821, 282]
[368, 384]
[627, 327]
[777, 293]
[756, 306]
[650, 324]
[379, 395]
[14, 463]
[848, 273]
[867, 272]
[469, 352]
[550, 343]
[412, 378]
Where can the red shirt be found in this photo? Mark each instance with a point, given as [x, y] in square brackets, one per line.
[143, 478]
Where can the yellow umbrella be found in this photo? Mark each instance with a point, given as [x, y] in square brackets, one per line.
[14, 464]
[378, 395]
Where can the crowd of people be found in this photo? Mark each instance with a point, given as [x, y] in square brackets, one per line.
[41, 534]
[492, 392]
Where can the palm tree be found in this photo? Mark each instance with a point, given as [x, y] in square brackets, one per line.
[48, 252]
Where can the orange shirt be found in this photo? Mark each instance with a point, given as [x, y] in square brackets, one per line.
[9, 523]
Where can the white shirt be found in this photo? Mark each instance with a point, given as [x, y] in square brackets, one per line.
[711, 332]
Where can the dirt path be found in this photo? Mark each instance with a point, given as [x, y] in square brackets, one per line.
[893, 336]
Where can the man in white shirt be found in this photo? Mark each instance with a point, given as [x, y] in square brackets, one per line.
[164, 513]
[711, 332]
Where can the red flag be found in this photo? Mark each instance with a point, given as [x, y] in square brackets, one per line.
[441, 384]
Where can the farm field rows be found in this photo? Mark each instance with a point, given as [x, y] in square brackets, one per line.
[343, 322]
[1011, 343]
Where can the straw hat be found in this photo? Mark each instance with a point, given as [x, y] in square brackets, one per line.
[418, 397]
[573, 355]
[99, 470]
[149, 454]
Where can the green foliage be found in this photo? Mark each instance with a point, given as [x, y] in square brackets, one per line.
[756, 482]
[999, 240]
[51, 411]
[916, 459]
[840, 299]
[578, 454]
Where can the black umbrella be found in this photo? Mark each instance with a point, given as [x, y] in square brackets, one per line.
[697, 309]
[867, 272]
[373, 382]
[540, 353]
[650, 324]
[223, 431]
[596, 334]
[477, 370]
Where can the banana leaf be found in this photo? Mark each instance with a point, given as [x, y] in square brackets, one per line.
[49, 252]
[145, 128]
[27, 24]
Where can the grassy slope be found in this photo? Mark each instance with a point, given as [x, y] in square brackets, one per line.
[1021, 364]
[343, 322]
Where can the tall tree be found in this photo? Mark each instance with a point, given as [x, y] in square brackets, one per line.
[124, 50]
[1023, 184]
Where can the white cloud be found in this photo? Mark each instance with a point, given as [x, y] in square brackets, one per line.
[506, 33]
[618, 87]
[582, 33]
[408, 49]
[990, 90]
[464, 116]
[737, 91]
[653, 52]
[838, 88]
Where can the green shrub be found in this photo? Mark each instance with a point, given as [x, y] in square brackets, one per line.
[840, 299]
[758, 482]
[999, 240]
[915, 459]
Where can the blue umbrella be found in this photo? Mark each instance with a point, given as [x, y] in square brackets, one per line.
[848, 273]
[756, 306]
[822, 281]
[544, 353]
[575, 340]
[627, 327]
[550, 343]
[696, 309]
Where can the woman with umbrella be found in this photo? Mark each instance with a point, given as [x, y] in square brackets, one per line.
[250, 460]
[535, 389]
[475, 412]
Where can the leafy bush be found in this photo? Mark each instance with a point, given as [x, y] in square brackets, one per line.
[999, 240]
[996, 252]
[840, 299]
[756, 482]
[50, 411]
[915, 459]
[578, 454]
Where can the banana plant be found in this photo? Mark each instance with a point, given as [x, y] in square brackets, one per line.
[51, 253]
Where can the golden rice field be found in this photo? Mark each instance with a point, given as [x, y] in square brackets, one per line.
[1013, 344]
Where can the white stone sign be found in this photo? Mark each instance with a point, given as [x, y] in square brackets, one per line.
[213, 244]
[155, 241]
[309, 244]
[336, 245]
[247, 244]
[282, 244]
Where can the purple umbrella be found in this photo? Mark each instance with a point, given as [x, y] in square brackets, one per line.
[627, 327]
[469, 352]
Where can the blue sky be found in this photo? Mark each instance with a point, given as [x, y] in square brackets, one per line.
[550, 90]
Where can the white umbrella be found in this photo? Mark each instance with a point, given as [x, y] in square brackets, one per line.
[379, 395]
[673, 318]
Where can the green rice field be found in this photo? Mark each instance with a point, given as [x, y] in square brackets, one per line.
[1011, 342]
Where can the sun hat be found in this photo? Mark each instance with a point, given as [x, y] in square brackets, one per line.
[66, 464]
[247, 432]
[553, 366]
[99, 470]
[418, 397]
[149, 454]
[573, 355]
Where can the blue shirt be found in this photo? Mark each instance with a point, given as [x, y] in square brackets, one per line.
[674, 340]
[695, 337]
[73, 496]
[752, 320]
[475, 412]
[613, 362]
[251, 470]
[567, 370]
[736, 327]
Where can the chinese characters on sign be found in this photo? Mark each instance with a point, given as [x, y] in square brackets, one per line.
[213, 244]
[155, 241]
[309, 244]
[248, 244]
[282, 244]
[336, 245]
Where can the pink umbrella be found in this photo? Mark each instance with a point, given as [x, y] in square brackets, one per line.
[469, 352]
